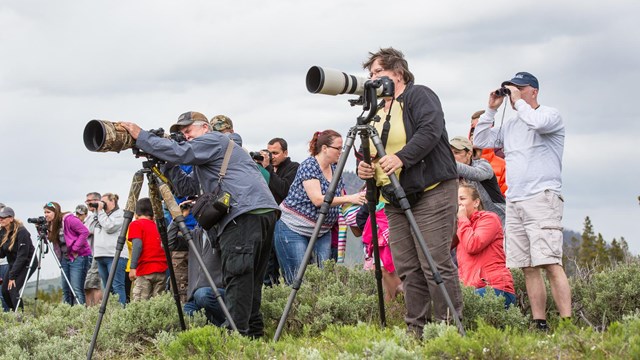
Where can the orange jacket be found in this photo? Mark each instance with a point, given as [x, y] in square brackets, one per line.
[499, 168]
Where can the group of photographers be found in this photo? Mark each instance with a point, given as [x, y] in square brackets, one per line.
[282, 210]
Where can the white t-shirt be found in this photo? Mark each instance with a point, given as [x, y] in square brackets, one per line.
[533, 143]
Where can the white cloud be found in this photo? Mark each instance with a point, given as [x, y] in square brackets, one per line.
[66, 62]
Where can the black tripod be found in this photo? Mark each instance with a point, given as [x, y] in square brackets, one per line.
[367, 132]
[43, 247]
[157, 187]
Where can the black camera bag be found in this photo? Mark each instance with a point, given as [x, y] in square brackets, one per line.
[209, 208]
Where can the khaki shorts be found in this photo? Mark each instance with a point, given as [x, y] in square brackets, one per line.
[148, 286]
[533, 231]
[92, 280]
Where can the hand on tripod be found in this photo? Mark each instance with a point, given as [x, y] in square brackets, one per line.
[365, 171]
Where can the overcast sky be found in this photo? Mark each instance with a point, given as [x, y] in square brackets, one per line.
[64, 63]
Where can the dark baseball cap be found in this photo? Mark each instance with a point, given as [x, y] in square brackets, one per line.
[187, 119]
[522, 79]
[7, 212]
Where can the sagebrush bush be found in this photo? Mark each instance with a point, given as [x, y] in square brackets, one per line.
[333, 295]
[335, 315]
[603, 297]
[490, 309]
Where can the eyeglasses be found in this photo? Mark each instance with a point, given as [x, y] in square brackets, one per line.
[376, 72]
[334, 147]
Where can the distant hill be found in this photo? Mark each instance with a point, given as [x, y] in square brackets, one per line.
[352, 182]
[567, 234]
[46, 285]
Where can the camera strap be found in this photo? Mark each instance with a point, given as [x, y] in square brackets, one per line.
[387, 125]
[223, 168]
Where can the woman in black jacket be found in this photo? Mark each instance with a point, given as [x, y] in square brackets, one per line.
[16, 245]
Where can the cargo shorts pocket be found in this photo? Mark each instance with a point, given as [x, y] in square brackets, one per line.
[237, 256]
[550, 238]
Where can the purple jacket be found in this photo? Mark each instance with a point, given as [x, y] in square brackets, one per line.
[75, 236]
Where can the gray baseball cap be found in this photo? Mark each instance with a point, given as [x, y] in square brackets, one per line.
[7, 212]
[187, 119]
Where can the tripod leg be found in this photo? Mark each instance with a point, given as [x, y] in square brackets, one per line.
[406, 207]
[174, 209]
[322, 214]
[35, 260]
[64, 275]
[371, 205]
[154, 195]
[134, 193]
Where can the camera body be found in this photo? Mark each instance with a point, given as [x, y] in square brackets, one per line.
[41, 225]
[177, 137]
[503, 91]
[38, 221]
[258, 157]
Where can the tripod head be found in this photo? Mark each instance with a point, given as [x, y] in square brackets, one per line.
[369, 100]
[151, 160]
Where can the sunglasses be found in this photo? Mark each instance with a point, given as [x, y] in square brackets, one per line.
[50, 204]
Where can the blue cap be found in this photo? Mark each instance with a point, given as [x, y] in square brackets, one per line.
[522, 79]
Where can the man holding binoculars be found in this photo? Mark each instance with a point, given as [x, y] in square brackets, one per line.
[533, 142]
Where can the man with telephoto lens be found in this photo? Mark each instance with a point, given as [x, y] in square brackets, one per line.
[533, 142]
[245, 234]
[417, 147]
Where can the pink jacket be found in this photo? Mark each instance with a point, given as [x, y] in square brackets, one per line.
[383, 240]
[75, 237]
[481, 259]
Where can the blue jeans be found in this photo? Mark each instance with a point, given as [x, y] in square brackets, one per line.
[3, 272]
[117, 287]
[76, 272]
[509, 298]
[291, 246]
[204, 298]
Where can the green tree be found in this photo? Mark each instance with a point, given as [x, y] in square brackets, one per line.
[616, 253]
[625, 248]
[571, 252]
[588, 252]
[602, 255]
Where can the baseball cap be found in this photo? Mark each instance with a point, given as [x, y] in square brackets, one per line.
[186, 119]
[461, 143]
[7, 212]
[81, 209]
[221, 122]
[522, 79]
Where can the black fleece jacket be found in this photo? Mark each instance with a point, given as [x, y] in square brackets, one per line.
[427, 158]
[19, 256]
[280, 182]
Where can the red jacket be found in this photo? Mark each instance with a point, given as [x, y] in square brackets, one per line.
[499, 168]
[481, 259]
